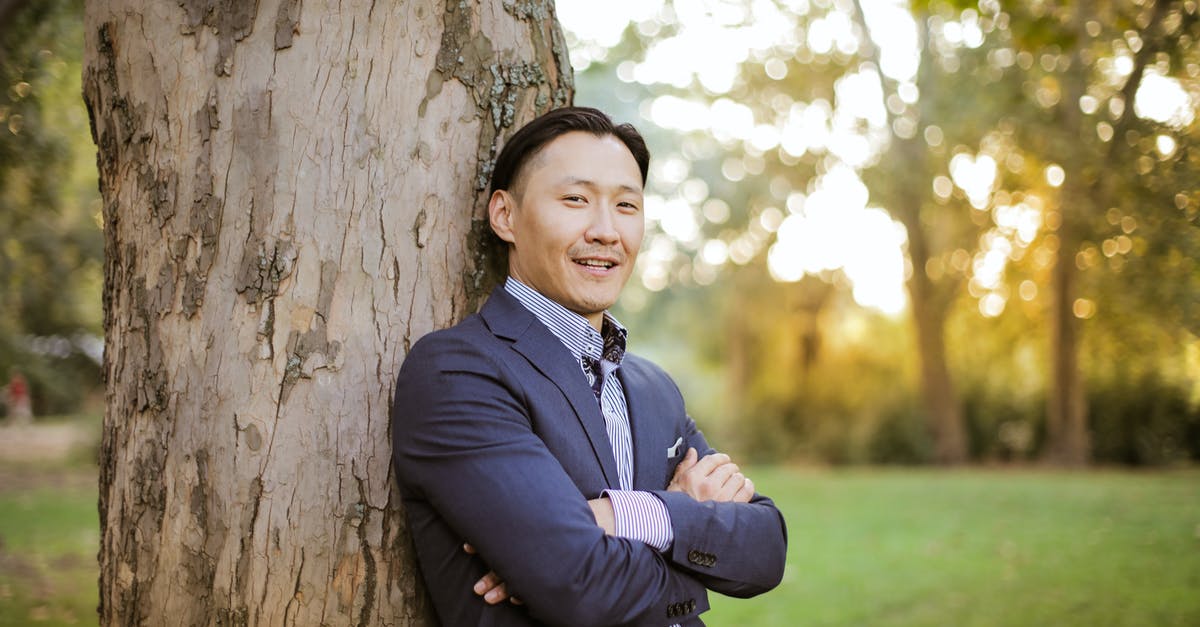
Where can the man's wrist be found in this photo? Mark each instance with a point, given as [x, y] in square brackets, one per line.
[641, 516]
[602, 511]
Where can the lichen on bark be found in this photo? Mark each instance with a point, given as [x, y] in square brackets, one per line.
[230, 20]
[500, 87]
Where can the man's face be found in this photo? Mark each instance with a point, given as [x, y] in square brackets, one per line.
[574, 221]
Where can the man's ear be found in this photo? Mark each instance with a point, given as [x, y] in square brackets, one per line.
[500, 208]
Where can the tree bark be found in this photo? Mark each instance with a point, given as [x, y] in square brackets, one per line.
[293, 194]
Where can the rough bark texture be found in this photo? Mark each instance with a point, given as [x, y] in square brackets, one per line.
[292, 197]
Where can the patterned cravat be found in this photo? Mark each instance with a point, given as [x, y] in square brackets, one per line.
[614, 341]
[594, 374]
[613, 351]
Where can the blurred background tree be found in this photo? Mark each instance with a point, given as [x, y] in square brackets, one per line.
[50, 243]
[1027, 175]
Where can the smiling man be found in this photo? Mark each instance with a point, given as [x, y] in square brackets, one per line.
[537, 459]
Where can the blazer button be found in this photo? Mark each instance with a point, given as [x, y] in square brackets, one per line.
[691, 606]
[694, 556]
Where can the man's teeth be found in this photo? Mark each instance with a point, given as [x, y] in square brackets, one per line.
[595, 263]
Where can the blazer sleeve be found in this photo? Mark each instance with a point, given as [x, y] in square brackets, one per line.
[736, 549]
[463, 440]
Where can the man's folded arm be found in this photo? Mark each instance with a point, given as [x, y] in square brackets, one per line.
[464, 442]
[737, 549]
[641, 516]
[710, 529]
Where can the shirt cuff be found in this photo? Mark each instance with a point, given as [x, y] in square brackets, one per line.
[641, 516]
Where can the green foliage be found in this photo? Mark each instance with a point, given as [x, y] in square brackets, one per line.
[50, 245]
[1144, 421]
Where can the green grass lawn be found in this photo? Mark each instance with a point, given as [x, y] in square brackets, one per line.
[981, 547]
[867, 547]
[49, 534]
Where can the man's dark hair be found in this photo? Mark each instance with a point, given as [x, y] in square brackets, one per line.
[531, 138]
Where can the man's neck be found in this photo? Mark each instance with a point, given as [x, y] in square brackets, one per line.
[595, 319]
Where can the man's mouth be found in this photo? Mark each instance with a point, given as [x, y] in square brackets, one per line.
[602, 264]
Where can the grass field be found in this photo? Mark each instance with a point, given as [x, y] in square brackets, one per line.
[982, 547]
[49, 534]
[867, 547]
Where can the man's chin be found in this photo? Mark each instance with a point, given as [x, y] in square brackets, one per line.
[593, 305]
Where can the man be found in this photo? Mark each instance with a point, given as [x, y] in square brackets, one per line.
[567, 467]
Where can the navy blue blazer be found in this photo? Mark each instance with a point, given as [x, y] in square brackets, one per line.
[498, 441]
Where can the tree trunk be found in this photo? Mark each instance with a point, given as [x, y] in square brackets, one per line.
[1066, 411]
[929, 320]
[937, 388]
[293, 194]
[1067, 441]
[928, 310]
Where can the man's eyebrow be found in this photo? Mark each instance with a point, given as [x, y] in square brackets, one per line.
[575, 180]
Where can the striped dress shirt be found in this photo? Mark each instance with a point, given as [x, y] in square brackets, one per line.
[638, 515]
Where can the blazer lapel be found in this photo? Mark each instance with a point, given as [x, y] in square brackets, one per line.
[508, 318]
[649, 462]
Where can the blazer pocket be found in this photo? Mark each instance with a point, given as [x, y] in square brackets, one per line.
[675, 454]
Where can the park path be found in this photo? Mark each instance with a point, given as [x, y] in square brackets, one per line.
[42, 443]
[46, 455]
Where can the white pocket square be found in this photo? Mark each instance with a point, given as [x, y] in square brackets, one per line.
[673, 450]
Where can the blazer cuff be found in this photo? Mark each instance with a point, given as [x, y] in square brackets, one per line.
[641, 516]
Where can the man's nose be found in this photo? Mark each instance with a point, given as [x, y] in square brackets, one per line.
[603, 228]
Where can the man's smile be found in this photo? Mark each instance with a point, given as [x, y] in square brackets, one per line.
[592, 262]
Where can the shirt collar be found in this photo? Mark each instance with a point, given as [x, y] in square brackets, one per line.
[572, 329]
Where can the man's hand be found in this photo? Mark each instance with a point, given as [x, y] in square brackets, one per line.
[714, 478]
[492, 588]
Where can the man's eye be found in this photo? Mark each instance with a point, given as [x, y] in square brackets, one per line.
[573, 198]
[629, 205]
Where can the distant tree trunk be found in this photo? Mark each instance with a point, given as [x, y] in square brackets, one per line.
[928, 309]
[937, 388]
[1067, 437]
[810, 296]
[1084, 194]
[929, 323]
[293, 193]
